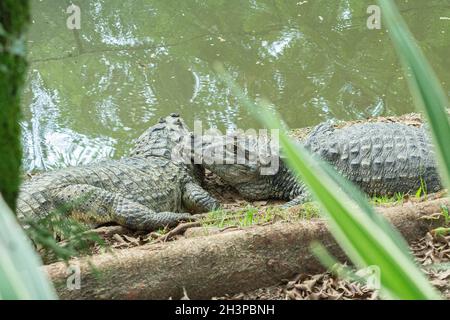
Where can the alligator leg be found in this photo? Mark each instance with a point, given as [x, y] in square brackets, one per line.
[98, 206]
[304, 197]
[198, 200]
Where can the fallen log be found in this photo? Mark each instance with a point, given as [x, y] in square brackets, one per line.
[225, 263]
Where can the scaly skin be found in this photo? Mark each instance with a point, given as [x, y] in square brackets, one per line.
[144, 191]
[380, 158]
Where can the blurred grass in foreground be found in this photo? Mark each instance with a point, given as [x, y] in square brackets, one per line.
[20, 274]
[428, 94]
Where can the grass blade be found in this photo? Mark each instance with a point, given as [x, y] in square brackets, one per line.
[20, 274]
[427, 91]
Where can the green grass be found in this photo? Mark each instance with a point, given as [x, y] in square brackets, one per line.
[250, 216]
[442, 231]
[58, 237]
[445, 229]
[161, 231]
[422, 191]
[310, 210]
[446, 215]
[240, 218]
[397, 199]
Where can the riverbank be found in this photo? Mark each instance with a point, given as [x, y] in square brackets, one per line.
[239, 215]
[269, 260]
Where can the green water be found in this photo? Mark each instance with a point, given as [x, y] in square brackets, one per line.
[91, 91]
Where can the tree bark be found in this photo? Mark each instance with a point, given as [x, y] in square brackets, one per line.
[14, 17]
[231, 262]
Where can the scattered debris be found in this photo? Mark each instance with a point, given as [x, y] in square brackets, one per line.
[430, 251]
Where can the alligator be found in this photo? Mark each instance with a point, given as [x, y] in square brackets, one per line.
[380, 158]
[146, 190]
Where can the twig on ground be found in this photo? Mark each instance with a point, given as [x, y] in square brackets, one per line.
[180, 229]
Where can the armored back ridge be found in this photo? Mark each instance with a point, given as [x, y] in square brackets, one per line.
[145, 191]
[381, 158]
[160, 139]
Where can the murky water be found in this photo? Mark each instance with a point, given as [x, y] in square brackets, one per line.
[91, 91]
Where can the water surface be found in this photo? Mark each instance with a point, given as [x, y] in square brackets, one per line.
[90, 92]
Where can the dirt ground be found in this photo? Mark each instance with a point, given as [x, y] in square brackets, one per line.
[428, 250]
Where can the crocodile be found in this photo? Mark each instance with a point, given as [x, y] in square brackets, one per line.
[145, 190]
[380, 158]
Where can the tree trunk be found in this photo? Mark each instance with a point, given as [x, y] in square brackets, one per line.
[218, 264]
[13, 20]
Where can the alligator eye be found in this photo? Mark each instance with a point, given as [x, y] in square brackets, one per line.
[175, 115]
[161, 120]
